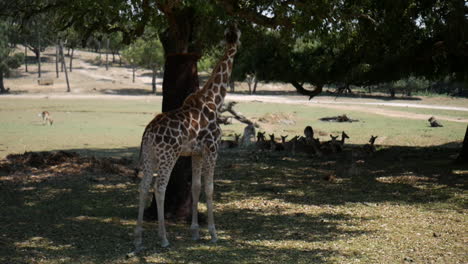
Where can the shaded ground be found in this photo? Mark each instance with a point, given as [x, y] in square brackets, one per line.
[270, 207]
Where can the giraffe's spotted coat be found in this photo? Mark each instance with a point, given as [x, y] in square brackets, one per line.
[191, 130]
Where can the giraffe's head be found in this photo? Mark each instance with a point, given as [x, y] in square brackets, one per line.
[232, 34]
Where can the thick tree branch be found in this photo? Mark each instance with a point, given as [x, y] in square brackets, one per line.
[232, 8]
[300, 89]
[229, 108]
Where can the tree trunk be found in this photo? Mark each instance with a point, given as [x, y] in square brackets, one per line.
[107, 54]
[71, 59]
[64, 66]
[57, 59]
[254, 91]
[38, 58]
[153, 80]
[463, 157]
[180, 80]
[26, 58]
[133, 70]
[232, 86]
[39, 53]
[2, 87]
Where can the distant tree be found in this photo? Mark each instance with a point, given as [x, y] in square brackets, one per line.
[72, 41]
[115, 44]
[36, 34]
[8, 60]
[147, 54]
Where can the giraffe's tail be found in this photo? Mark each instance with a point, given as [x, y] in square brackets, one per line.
[137, 168]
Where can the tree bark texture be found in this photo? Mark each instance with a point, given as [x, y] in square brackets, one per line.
[180, 80]
[57, 59]
[64, 66]
[463, 157]
[38, 54]
[71, 59]
[2, 87]
[25, 59]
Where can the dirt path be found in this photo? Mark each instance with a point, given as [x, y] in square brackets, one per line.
[90, 81]
[348, 105]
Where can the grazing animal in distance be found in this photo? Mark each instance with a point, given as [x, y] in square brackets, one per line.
[46, 118]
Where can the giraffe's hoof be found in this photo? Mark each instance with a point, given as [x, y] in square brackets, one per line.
[165, 244]
[195, 235]
[135, 252]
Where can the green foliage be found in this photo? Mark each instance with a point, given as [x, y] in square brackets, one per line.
[7, 60]
[115, 42]
[36, 33]
[331, 42]
[207, 63]
[145, 53]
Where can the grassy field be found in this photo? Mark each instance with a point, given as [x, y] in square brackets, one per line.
[406, 204]
[93, 126]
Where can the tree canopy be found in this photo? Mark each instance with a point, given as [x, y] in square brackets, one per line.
[321, 42]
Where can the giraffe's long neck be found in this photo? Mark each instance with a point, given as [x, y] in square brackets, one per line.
[216, 87]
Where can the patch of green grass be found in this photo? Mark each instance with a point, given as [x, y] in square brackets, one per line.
[425, 111]
[83, 125]
[94, 126]
[391, 131]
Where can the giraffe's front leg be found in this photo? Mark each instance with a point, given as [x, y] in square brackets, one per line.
[196, 186]
[210, 163]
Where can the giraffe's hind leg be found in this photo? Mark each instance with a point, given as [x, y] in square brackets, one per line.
[144, 189]
[160, 192]
[196, 186]
[209, 167]
[163, 169]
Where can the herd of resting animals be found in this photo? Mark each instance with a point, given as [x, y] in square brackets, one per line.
[300, 144]
[193, 130]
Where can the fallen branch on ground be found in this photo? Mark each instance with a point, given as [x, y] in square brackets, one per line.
[229, 108]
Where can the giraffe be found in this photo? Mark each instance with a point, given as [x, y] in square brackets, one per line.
[191, 130]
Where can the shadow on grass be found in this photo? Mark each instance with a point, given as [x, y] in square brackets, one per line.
[76, 216]
[392, 174]
[130, 91]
